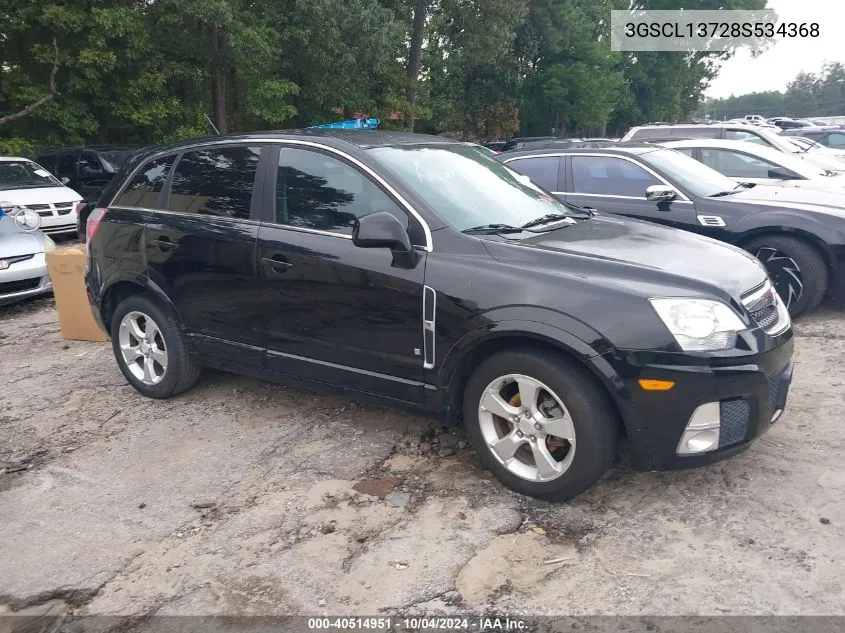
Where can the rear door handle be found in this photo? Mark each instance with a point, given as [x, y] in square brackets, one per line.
[163, 244]
[278, 263]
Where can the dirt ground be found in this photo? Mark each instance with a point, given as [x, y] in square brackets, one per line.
[242, 497]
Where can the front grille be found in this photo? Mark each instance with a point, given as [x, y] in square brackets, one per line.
[762, 304]
[45, 214]
[22, 285]
[63, 211]
[734, 416]
[37, 207]
[16, 259]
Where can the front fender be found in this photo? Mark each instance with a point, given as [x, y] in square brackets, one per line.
[586, 346]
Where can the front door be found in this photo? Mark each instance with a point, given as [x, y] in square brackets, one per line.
[613, 184]
[334, 312]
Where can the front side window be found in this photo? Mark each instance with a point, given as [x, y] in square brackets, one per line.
[320, 192]
[610, 176]
[543, 170]
[736, 164]
[836, 139]
[89, 164]
[687, 173]
[215, 181]
[147, 184]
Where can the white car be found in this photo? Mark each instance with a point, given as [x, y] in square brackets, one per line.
[24, 183]
[813, 148]
[23, 266]
[753, 163]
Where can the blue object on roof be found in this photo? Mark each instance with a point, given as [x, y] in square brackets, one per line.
[350, 124]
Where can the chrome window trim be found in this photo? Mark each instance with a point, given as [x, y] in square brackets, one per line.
[429, 241]
[683, 198]
[190, 215]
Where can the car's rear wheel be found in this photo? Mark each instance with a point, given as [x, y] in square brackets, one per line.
[539, 423]
[797, 270]
[151, 351]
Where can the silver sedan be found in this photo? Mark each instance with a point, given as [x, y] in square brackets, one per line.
[23, 265]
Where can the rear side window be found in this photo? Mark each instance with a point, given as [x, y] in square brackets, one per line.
[147, 184]
[610, 176]
[741, 135]
[215, 181]
[67, 165]
[836, 139]
[543, 171]
[736, 164]
[89, 164]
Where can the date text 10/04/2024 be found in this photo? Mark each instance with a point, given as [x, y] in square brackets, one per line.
[482, 623]
[721, 29]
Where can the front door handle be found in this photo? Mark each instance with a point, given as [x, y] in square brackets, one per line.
[278, 264]
[163, 244]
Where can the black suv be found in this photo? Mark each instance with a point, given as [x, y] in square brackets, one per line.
[86, 170]
[418, 272]
[799, 234]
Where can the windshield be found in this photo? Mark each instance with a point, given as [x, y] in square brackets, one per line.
[697, 178]
[466, 188]
[24, 174]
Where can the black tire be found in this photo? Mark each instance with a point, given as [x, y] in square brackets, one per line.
[592, 415]
[797, 270]
[182, 370]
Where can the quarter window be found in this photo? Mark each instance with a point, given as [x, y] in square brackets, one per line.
[610, 177]
[215, 181]
[145, 186]
[317, 191]
[543, 171]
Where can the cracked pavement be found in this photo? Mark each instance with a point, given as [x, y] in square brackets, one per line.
[237, 498]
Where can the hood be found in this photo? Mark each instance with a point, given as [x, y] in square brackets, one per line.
[823, 201]
[824, 160]
[39, 195]
[833, 184]
[14, 242]
[668, 261]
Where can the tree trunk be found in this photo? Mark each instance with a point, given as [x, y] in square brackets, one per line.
[415, 56]
[218, 78]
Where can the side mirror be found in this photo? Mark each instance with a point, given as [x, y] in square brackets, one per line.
[782, 173]
[660, 193]
[380, 230]
[64, 180]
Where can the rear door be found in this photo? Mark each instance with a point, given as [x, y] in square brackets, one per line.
[334, 312]
[200, 245]
[617, 184]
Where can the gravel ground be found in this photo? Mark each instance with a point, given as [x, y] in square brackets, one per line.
[243, 497]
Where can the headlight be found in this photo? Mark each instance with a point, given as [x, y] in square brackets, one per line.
[699, 324]
[49, 244]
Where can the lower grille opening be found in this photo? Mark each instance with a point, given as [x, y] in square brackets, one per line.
[19, 286]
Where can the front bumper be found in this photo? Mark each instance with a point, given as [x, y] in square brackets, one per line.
[21, 280]
[750, 391]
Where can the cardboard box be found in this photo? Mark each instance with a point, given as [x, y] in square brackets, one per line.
[67, 270]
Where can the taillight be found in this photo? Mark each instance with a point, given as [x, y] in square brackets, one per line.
[93, 223]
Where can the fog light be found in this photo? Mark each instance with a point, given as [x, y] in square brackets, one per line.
[702, 431]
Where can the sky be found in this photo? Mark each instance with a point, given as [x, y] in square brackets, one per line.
[786, 58]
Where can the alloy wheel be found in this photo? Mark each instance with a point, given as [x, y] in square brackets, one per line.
[142, 347]
[784, 272]
[526, 427]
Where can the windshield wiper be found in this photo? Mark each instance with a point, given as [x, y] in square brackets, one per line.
[729, 192]
[492, 229]
[546, 219]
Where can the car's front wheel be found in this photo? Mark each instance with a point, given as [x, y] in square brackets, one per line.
[539, 423]
[151, 351]
[797, 271]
